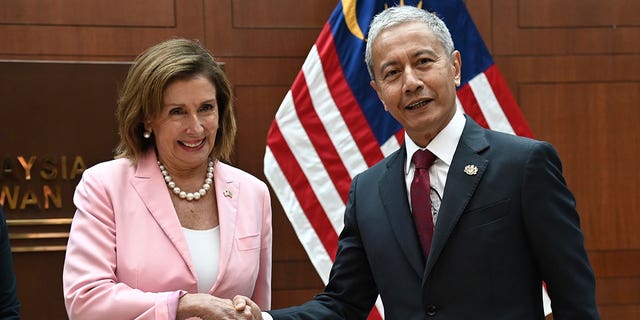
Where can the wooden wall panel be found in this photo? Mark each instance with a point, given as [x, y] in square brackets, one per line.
[616, 263]
[516, 39]
[292, 297]
[585, 14]
[225, 38]
[480, 11]
[573, 66]
[116, 36]
[618, 291]
[286, 14]
[251, 114]
[261, 71]
[567, 69]
[40, 285]
[121, 13]
[50, 111]
[620, 312]
[596, 164]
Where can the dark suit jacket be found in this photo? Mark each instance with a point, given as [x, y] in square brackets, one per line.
[9, 306]
[500, 233]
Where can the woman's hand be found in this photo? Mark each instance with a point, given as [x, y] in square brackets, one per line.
[208, 307]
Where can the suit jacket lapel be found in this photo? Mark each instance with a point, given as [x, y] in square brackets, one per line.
[397, 209]
[459, 188]
[227, 195]
[149, 184]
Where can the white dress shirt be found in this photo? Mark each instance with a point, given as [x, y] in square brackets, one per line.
[443, 146]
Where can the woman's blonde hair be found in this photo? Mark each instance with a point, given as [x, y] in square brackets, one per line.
[141, 95]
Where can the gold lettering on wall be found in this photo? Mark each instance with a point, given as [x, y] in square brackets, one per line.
[77, 168]
[55, 197]
[27, 166]
[50, 196]
[49, 169]
[31, 185]
[11, 197]
[21, 189]
[28, 198]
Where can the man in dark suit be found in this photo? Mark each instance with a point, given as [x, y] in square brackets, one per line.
[9, 306]
[504, 218]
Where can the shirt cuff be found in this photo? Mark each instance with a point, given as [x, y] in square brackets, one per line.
[266, 316]
[172, 302]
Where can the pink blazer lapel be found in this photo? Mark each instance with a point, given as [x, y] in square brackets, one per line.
[226, 190]
[149, 184]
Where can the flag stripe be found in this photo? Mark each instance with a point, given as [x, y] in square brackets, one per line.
[307, 158]
[393, 143]
[345, 101]
[303, 189]
[488, 104]
[507, 102]
[318, 136]
[332, 119]
[301, 225]
[470, 104]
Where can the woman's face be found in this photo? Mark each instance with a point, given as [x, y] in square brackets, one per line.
[185, 130]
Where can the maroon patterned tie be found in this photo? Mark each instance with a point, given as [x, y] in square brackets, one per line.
[421, 200]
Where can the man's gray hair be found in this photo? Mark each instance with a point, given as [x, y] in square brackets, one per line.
[403, 14]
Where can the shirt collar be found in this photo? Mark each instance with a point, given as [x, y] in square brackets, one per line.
[443, 145]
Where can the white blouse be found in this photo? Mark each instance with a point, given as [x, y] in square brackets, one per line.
[204, 247]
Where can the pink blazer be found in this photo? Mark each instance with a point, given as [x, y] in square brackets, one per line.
[127, 257]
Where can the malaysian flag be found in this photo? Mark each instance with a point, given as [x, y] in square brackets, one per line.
[331, 124]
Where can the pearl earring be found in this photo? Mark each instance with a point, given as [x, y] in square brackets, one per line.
[146, 134]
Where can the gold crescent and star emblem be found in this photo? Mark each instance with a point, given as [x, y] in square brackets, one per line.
[351, 18]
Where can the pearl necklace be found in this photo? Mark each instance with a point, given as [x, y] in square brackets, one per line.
[188, 195]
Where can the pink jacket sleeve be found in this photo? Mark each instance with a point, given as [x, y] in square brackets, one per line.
[262, 292]
[91, 289]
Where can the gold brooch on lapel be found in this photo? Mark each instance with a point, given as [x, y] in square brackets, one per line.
[227, 193]
[471, 169]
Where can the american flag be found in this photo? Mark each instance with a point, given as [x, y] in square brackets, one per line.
[332, 126]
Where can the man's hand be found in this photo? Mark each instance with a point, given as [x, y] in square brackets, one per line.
[243, 304]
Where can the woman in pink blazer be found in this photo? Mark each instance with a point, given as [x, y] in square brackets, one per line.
[167, 230]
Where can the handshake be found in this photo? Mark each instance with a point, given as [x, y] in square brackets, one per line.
[208, 307]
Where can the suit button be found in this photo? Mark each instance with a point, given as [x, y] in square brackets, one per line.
[432, 310]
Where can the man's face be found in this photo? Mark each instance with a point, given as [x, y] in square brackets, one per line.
[415, 79]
